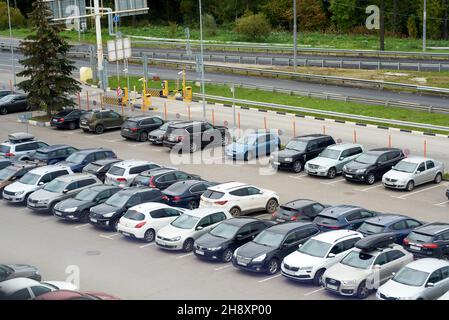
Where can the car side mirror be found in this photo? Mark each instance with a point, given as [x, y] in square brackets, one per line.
[65, 191]
[199, 228]
[239, 237]
[430, 285]
[418, 171]
[393, 274]
[377, 266]
[342, 158]
[331, 255]
[299, 245]
[40, 183]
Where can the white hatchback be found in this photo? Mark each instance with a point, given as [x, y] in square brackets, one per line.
[123, 173]
[144, 220]
[27, 289]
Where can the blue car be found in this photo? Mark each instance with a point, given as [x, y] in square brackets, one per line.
[78, 160]
[254, 145]
[343, 217]
[187, 193]
[53, 154]
[398, 224]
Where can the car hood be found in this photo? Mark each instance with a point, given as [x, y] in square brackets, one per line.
[71, 203]
[398, 290]
[237, 147]
[62, 285]
[298, 259]
[171, 232]
[22, 268]
[103, 209]
[42, 194]
[286, 153]
[253, 250]
[343, 272]
[18, 186]
[210, 241]
[68, 164]
[323, 162]
[353, 165]
[397, 175]
[157, 132]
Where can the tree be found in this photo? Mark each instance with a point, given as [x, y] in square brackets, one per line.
[434, 17]
[344, 14]
[17, 19]
[311, 15]
[253, 26]
[49, 83]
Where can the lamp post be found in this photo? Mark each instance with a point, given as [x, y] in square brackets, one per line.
[295, 31]
[424, 27]
[203, 91]
[10, 43]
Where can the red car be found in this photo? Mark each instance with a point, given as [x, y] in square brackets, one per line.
[75, 295]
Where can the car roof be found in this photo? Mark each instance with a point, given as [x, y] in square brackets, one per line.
[50, 168]
[311, 137]
[298, 203]
[137, 189]
[75, 177]
[433, 228]
[24, 164]
[131, 163]
[18, 137]
[238, 222]
[12, 285]
[53, 148]
[343, 146]
[338, 210]
[288, 226]
[189, 183]
[157, 171]
[103, 187]
[428, 264]
[60, 295]
[387, 219]
[381, 150]
[103, 162]
[417, 160]
[149, 206]
[184, 123]
[202, 212]
[89, 150]
[336, 235]
[228, 186]
[138, 118]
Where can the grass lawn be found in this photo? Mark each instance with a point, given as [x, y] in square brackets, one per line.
[41, 118]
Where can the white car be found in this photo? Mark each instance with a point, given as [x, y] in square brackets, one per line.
[144, 220]
[444, 296]
[184, 230]
[26, 289]
[239, 198]
[19, 191]
[123, 173]
[317, 254]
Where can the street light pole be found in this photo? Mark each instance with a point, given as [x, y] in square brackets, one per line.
[295, 31]
[100, 67]
[424, 31]
[10, 43]
[203, 91]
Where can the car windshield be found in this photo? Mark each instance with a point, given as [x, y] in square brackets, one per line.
[405, 166]
[118, 200]
[6, 98]
[116, 171]
[86, 195]
[164, 126]
[4, 149]
[248, 140]
[357, 259]
[210, 194]
[371, 228]
[366, 158]
[76, 157]
[40, 155]
[55, 186]
[178, 188]
[330, 154]
[315, 248]
[224, 230]
[411, 277]
[420, 237]
[141, 181]
[30, 178]
[269, 239]
[298, 145]
[6, 173]
[325, 220]
[63, 113]
[185, 221]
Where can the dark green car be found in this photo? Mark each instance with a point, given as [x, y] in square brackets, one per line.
[99, 120]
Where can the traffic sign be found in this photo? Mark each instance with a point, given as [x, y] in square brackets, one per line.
[116, 18]
[339, 140]
[178, 116]
[406, 152]
[225, 123]
[119, 92]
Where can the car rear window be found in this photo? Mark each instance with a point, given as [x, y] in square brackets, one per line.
[210, 194]
[325, 220]
[141, 180]
[178, 188]
[134, 215]
[420, 237]
[287, 211]
[116, 171]
[4, 149]
[371, 228]
[130, 124]
[92, 167]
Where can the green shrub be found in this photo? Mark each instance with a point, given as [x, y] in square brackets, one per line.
[172, 29]
[412, 29]
[253, 26]
[17, 19]
[209, 25]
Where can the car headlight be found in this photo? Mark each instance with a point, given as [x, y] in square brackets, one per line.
[108, 215]
[344, 168]
[175, 239]
[45, 201]
[288, 159]
[306, 268]
[349, 282]
[235, 253]
[19, 193]
[260, 258]
[70, 209]
[360, 171]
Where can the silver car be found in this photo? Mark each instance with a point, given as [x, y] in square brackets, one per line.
[20, 146]
[413, 171]
[425, 279]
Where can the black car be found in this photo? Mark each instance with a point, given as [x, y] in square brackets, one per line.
[77, 208]
[12, 271]
[219, 243]
[53, 154]
[137, 128]
[429, 241]
[447, 193]
[186, 193]
[13, 103]
[4, 93]
[266, 252]
[192, 136]
[162, 178]
[343, 217]
[372, 165]
[108, 214]
[5, 163]
[67, 119]
[100, 167]
[300, 209]
[299, 150]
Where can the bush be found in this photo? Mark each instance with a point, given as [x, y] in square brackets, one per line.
[209, 25]
[253, 26]
[412, 29]
[17, 19]
[172, 29]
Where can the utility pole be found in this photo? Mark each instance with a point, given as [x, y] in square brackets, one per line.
[445, 35]
[99, 43]
[11, 45]
[295, 31]
[424, 26]
[382, 25]
[203, 91]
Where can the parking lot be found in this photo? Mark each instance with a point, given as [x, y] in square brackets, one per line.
[135, 270]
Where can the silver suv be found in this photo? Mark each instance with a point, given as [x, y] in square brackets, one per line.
[20, 146]
[60, 189]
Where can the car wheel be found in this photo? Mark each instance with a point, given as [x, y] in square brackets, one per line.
[51, 209]
[149, 235]
[192, 205]
[25, 199]
[297, 166]
[114, 224]
[438, 178]
[227, 255]
[362, 291]
[318, 279]
[72, 125]
[188, 245]
[371, 179]
[248, 156]
[193, 147]
[99, 129]
[273, 266]
[3, 111]
[85, 130]
[271, 206]
[410, 186]
[84, 216]
[332, 173]
[235, 212]
[143, 137]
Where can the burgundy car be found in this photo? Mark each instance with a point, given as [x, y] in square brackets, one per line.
[75, 295]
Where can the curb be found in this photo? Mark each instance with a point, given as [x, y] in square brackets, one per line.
[35, 123]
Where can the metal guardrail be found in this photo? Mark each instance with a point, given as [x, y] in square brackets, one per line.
[324, 113]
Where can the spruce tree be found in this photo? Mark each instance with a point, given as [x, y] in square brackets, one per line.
[47, 69]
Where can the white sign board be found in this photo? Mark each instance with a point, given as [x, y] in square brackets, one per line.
[119, 49]
[139, 7]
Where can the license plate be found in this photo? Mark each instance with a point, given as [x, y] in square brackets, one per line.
[349, 176]
[332, 287]
[58, 213]
[242, 263]
[415, 248]
[289, 272]
[276, 163]
[126, 234]
[7, 197]
[280, 220]
[310, 171]
[94, 220]
[199, 252]
[162, 243]
[54, 120]
[31, 204]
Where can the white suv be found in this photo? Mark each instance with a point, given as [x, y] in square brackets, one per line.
[32, 181]
[123, 173]
[20, 146]
[239, 198]
[317, 254]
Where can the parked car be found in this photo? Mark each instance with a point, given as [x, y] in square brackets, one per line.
[299, 150]
[430, 240]
[26, 289]
[79, 159]
[162, 178]
[239, 198]
[253, 145]
[156, 136]
[444, 296]
[53, 154]
[318, 254]
[192, 136]
[424, 279]
[100, 167]
[412, 172]
[67, 119]
[4, 93]
[300, 209]
[12, 271]
[219, 243]
[75, 295]
[99, 120]
[145, 220]
[447, 193]
[14, 172]
[108, 214]
[187, 193]
[123, 173]
[371, 165]
[398, 224]
[35, 179]
[5, 162]
[77, 208]
[20, 146]
[137, 128]
[367, 266]
[61, 188]
[331, 160]
[265, 253]
[182, 232]
[15, 102]
[343, 217]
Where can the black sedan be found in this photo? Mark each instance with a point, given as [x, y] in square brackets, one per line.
[100, 167]
[162, 178]
[300, 209]
[11, 271]
[186, 193]
[77, 208]
[67, 119]
[266, 252]
[138, 128]
[13, 103]
[219, 243]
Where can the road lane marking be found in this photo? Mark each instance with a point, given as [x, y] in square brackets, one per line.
[184, 255]
[313, 292]
[270, 278]
[147, 245]
[334, 182]
[82, 226]
[370, 188]
[442, 203]
[419, 191]
[223, 267]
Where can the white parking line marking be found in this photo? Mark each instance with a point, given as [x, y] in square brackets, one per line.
[270, 278]
[298, 177]
[223, 267]
[184, 255]
[334, 182]
[370, 188]
[442, 203]
[82, 226]
[106, 237]
[262, 216]
[419, 191]
[314, 291]
[109, 236]
[132, 145]
[147, 245]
